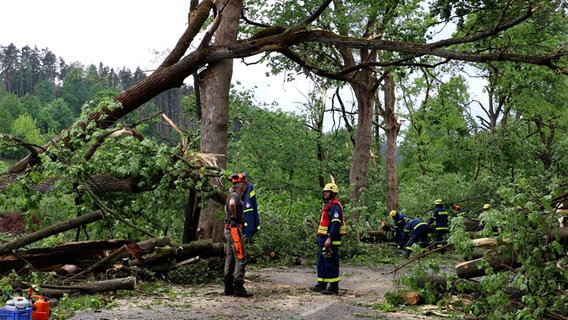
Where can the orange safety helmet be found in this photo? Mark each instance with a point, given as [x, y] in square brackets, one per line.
[458, 207]
[238, 177]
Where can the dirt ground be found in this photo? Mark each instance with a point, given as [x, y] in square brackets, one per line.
[279, 293]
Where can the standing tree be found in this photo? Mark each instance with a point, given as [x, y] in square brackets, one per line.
[401, 51]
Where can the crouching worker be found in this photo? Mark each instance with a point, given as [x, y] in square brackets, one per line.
[235, 255]
[330, 230]
[415, 231]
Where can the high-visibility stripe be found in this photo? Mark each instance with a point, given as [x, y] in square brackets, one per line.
[237, 241]
[252, 193]
[328, 279]
[416, 226]
[442, 228]
[247, 210]
[336, 243]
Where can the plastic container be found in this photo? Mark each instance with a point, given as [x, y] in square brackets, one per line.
[23, 314]
[21, 302]
[41, 311]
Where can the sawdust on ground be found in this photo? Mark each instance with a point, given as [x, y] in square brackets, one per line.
[279, 293]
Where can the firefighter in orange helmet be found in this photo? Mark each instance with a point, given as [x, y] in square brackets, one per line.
[330, 230]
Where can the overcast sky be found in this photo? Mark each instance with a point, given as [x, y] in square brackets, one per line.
[128, 33]
[120, 33]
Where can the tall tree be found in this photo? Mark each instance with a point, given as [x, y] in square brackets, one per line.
[214, 86]
[180, 64]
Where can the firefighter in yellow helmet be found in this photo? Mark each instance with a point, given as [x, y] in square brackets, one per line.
[399, 220]
[440, 218]
[487, 211]
[330, 230]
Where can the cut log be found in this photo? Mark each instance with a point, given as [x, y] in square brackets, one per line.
[164, 259]
[476, 268]
[374, 236]
[410, 297]
[56, 291]
[485, 242]
[51, 230]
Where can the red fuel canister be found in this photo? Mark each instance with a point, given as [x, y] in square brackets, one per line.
[41, 310]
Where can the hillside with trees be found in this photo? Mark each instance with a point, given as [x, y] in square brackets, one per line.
[152, 156]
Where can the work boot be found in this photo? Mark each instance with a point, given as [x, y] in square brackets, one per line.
[318, 287]
[333, 288]
[240, 291]
[406, 254]
[229, 287]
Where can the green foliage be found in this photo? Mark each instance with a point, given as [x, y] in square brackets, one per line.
[198, 273]
[68, 305]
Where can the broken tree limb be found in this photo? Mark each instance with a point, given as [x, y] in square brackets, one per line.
[163, 259]
[82, 254]
[51, 230]
[55, 291]
[134, 249]
[477, 268]
[485, 242]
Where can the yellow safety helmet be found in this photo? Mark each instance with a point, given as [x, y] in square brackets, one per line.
[486, 206]
[331, 187]
[438, 201]
[392, 213]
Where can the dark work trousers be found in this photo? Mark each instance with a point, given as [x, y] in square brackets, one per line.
[419, 234]
[328, 268]
[235, 254]
[441, 236]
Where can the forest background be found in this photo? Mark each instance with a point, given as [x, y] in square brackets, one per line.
[507, 153]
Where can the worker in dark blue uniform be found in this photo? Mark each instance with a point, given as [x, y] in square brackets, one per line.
[415, 231]
[399, 220]
[459, 211]
[440, 218]
[330, 230]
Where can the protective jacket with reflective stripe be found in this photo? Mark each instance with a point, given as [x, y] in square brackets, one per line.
[250, 210]
[332, 222]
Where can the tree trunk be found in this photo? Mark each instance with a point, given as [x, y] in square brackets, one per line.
[392, 127]
[365, 93]
[192, 213]
[215, 84]
[56, 291]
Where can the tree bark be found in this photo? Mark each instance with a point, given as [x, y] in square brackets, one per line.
[215, 85]
[57, 291]
[364, 90]
[474, 268]
[166, 258]
[392, 127]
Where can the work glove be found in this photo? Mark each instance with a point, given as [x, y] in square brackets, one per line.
[326, 252]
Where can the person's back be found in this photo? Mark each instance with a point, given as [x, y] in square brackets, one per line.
[416, 231]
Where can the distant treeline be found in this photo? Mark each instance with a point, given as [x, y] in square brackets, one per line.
[38, 84]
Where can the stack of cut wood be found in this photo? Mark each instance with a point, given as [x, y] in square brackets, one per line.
[77, 261]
